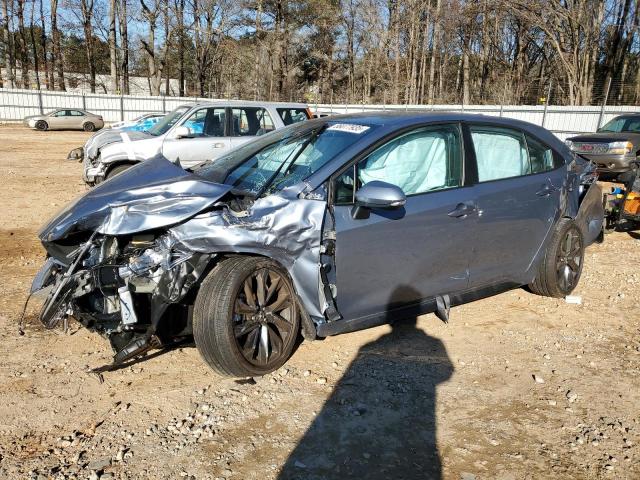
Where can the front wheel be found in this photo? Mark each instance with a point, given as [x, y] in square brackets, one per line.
[41, 125]
[561, 267]
[246, 318]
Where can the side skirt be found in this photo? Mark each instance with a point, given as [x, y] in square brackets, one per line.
[410, 311]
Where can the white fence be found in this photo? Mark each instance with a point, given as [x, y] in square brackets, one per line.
[15, 104]
[563, 121]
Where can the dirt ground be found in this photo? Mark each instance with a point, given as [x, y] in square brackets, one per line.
[514, 387]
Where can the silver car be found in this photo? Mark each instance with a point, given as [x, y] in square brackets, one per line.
[65, 119]
[189, 135]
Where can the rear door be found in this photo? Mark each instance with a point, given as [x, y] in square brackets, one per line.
[518, 192]
[208, 139]
[398, 257]
[247, 123]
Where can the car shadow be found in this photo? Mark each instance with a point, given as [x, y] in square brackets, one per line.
[379, 421]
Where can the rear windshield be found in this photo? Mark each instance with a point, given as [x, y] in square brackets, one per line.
[293, 115]
[168, 121]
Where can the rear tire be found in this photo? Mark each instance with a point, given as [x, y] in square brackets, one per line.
[42, 125]
[560, 269]
[116, 171]
[246, 319]
[88, 127]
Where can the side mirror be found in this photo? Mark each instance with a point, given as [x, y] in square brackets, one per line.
[377, 194]
[182, 132]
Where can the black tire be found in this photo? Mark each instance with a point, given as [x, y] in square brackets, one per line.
[42, 125]
[117, 170]
[560, 269]
[88, 127]
[237, 344]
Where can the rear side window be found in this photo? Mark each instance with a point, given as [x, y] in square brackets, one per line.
[290, 116]
[75, 113]
[500, 153]
[250, 122]
[541, 157]
[420, 161]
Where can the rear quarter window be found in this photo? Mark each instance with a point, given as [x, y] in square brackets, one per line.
[290, 116]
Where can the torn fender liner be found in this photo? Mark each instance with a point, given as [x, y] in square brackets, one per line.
[281, 226]
[150, 195]
[590, 217]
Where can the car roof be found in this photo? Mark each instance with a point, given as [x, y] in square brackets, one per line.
[248, 103]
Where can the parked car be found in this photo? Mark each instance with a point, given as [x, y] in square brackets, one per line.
[324, 227]
[140, 123]
[190, 134]
[66, 119]
[613, 147]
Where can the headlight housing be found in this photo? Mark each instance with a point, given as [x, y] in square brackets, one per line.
[620, 148]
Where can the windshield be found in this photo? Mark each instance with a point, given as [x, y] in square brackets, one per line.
[279, 159]
[622, 124]
[168, 121]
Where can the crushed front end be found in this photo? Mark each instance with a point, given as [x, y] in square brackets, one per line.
[121, 287]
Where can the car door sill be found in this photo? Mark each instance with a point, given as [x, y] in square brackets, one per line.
[411, 310]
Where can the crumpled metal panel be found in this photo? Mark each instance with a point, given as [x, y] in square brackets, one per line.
[281, 226]
[150, 195]
[106, 137]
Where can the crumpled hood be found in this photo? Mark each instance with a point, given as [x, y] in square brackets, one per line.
[152, 194]
[110, 136]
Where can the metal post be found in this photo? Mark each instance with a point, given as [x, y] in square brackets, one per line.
[164, 104]
[121, 107]
[40, 102]
[604, 103]
[501, 109]
[546, 104]
[84, 102]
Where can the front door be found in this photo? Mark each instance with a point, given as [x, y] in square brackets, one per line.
[208, 139]
[421, 250]
[518, 192]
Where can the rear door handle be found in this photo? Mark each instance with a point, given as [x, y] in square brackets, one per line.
[545, 191]
[462, 210]
[218, 145]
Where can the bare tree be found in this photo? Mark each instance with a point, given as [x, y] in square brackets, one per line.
[57, 50]
[9, 60]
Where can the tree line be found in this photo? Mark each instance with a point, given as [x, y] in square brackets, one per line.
[332, 51]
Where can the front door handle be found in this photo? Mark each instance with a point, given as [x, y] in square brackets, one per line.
[462, 210]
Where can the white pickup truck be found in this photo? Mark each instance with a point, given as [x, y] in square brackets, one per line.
[191, 134]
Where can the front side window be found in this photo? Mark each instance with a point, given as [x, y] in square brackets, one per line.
[206, 122]
[61, 113]
[290, 116]
[421, 161]
[500, 153]
[250, 122]
[632, 125]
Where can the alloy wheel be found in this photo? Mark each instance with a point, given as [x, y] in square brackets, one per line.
[264, 316]
[569, 260]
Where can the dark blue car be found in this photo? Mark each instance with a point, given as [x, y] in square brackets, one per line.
[324, 227]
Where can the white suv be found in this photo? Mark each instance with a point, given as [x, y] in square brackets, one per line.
[191, 134]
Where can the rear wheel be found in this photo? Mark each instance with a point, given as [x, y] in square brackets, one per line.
[246, 318]
[560, 269]
[89, 127]
[42, 125]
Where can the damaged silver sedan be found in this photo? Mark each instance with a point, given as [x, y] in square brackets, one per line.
[325, 227]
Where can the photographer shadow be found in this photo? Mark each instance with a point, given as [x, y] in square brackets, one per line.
[379, 422]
